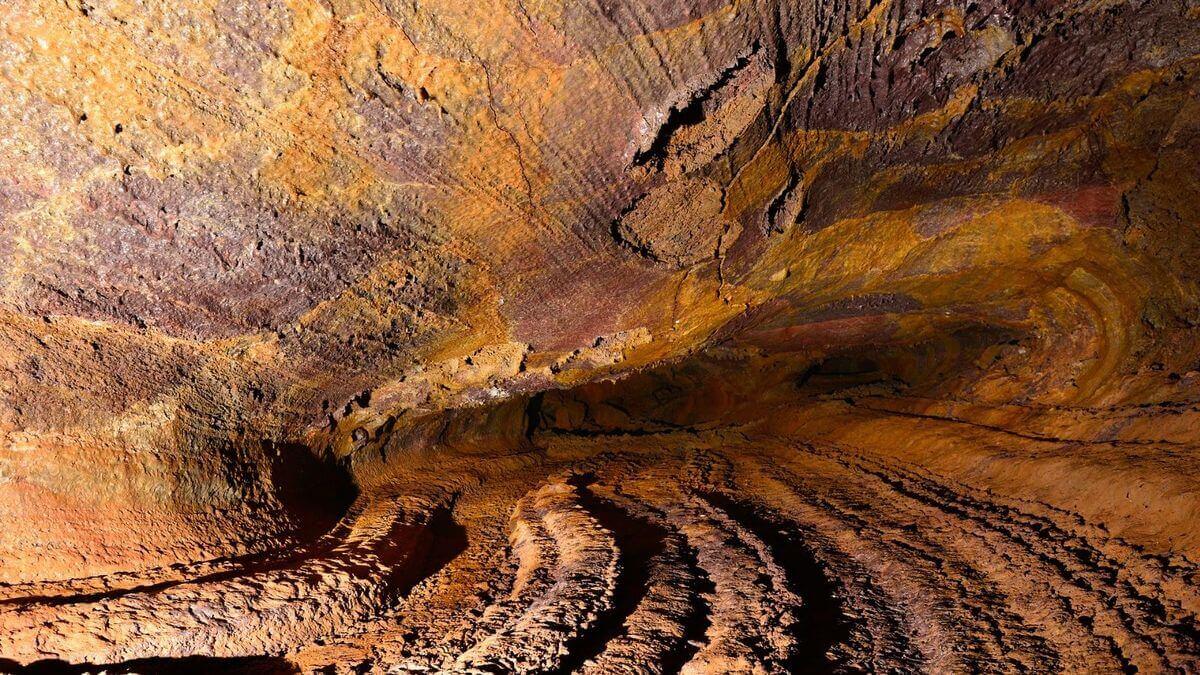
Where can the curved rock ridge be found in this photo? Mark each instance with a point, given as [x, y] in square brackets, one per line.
[599, 336]
[744, 552]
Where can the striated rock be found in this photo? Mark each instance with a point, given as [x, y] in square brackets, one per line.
[620, 336]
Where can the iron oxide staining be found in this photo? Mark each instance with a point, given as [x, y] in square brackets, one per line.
[640, 336]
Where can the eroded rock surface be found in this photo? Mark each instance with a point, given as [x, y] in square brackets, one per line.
[633, 336]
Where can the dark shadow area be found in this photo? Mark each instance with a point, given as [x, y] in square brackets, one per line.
[638, 542]
[428, 547]
[697, 622]
[820, 624]
[189, 665]
[316, 492]
[839, 371]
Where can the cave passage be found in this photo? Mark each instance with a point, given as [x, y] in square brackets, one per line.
[634, 336]
[717, 513]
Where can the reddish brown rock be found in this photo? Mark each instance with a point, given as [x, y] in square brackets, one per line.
[764, 336]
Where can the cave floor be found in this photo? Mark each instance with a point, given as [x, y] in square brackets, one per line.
[765, 547]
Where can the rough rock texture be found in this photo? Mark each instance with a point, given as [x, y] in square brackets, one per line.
[600, 336]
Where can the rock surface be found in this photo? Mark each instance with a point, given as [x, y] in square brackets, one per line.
[599, 336]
